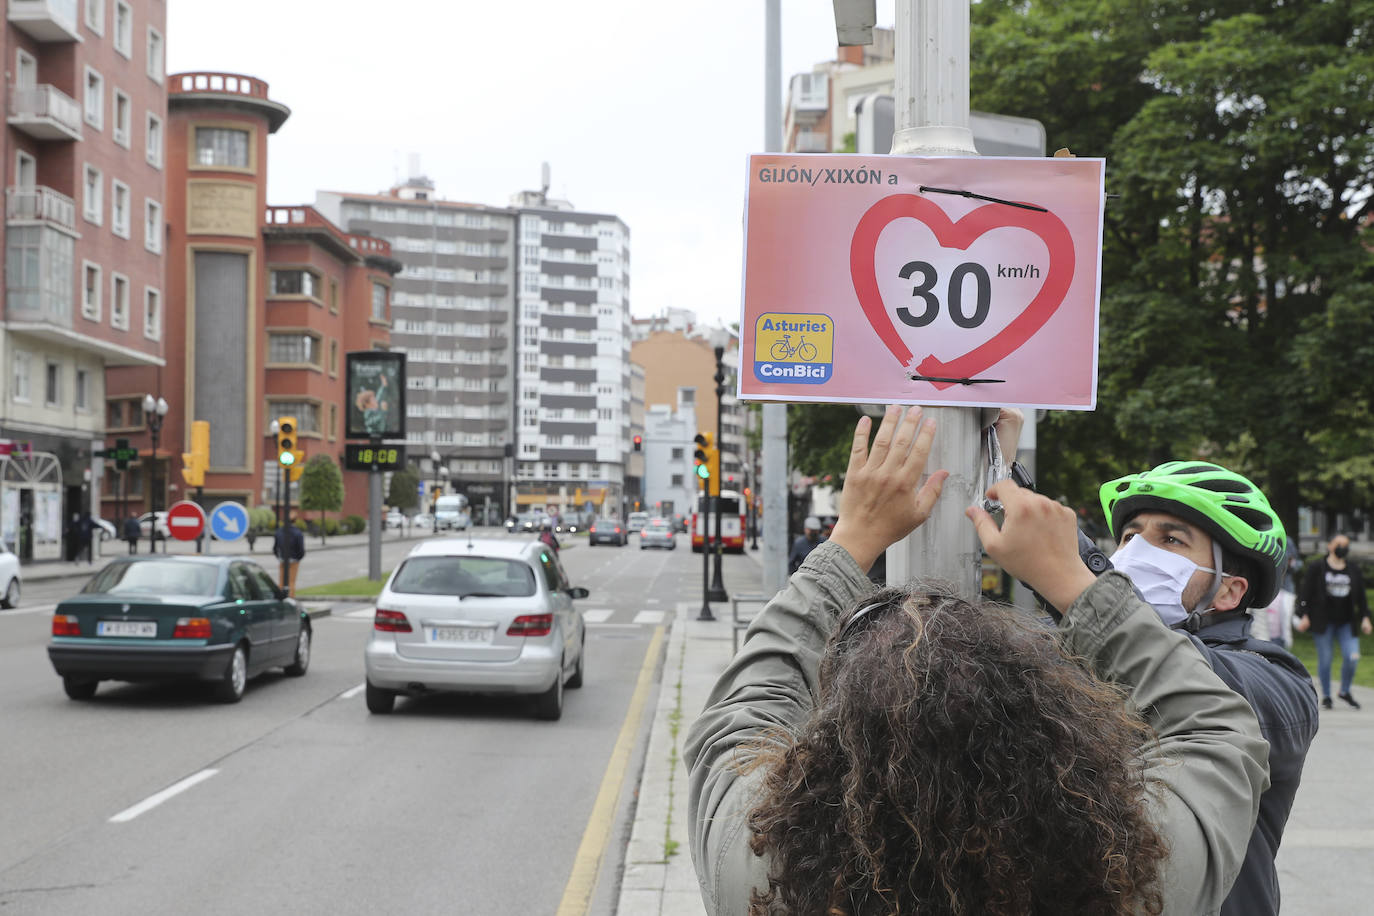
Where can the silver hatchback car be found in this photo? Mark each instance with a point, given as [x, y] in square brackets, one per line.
[477, 615]
[657, 532]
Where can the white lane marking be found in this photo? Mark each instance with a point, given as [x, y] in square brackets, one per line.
[352, 692]
[597, 615]
[652, 617]
[367, 612]
[152, 801]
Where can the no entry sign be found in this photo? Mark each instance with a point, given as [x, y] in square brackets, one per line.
[186, 521]
[896, 279]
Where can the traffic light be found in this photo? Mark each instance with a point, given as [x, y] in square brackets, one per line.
[196, 462]
[707, 459]
[288, 455]
[639, 443]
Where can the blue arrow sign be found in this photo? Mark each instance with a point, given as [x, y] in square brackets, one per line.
[229, 521]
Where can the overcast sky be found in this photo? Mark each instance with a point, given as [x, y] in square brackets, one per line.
[642, 109]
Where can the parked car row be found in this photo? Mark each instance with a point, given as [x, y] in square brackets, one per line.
[465, 615]
[653, 531]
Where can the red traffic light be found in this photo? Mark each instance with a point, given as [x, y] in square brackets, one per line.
[639, 443]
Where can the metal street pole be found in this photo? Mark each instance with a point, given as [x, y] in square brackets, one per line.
[932, 86]
[704, 510]
[774, 483]
[717, 585]
[374, 519]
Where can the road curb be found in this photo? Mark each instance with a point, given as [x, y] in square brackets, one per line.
[322, 610]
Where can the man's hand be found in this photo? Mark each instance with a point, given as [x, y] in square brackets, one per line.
[1302, 624]
[1365, 627]
[881, 504]
[1037, 543]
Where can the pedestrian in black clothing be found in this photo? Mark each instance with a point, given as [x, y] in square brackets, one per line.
[1333, 602]
[132, 532]
[288, 546]
[804, 544]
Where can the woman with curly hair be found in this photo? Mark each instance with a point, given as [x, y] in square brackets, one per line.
[911, 752]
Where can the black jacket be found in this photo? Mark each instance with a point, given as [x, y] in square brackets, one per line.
[1279, 689]
[1313, 597]
[289, 542]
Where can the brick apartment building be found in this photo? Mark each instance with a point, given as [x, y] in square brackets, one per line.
[263, 303]
[85, 202]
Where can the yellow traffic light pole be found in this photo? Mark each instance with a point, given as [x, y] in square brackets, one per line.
[194, 464]
[289, 461]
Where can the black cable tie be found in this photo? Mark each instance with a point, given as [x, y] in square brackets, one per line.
[956, 381]
[996, 200]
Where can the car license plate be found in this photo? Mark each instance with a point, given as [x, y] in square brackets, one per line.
[145, 628]
[460, 634]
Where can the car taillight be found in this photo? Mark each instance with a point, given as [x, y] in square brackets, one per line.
[617, 531]
[192, 628]
[65, 625]
[531, 625]
[390, 622]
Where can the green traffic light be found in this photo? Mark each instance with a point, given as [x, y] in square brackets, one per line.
[287, 459]
[703, 471]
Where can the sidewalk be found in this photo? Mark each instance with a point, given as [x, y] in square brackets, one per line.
[1322, 863]
[109, 550]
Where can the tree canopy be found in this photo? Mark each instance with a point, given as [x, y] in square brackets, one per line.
[1236, 319]
[321, 487]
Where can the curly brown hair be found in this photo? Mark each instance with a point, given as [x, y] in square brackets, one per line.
[957, 761]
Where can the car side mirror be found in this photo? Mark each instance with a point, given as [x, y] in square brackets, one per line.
[578, 591]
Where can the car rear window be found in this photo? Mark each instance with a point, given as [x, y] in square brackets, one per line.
[155, 577]
[464, 576]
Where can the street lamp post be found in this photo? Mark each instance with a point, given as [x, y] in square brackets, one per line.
[717, 591]
[154, 411]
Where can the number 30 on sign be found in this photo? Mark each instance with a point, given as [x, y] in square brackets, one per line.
[892, 279]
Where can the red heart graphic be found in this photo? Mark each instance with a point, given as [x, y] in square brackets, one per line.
[960, 235]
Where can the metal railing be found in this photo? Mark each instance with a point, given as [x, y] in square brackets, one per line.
[46, 101]
[40, 204]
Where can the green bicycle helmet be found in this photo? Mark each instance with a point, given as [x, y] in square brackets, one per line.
[1223, 503]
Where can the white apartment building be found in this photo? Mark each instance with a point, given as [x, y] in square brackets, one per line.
[515, 322]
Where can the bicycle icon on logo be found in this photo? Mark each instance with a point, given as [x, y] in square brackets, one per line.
[783, 349]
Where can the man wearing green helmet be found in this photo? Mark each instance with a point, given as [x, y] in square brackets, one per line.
[1203, 546]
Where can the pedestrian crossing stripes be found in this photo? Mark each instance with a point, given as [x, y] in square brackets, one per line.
[366, 613]
[591, 616]
[597, 614]
[649, 617]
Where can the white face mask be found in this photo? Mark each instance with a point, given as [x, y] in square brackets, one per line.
[1161, 577]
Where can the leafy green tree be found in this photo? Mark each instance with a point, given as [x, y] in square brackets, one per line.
[404, 493]
[321, 488]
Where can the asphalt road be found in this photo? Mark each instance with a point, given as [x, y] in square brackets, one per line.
[298, 800]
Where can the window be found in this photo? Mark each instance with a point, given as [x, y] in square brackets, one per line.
[152, 313]
[119, 201]
[83, 390]
[154, 151]
[677, 454]
[222, 146]
[52, 384]
[25, 170]
[677, 480]
[95, 16]
[95, 99]
[25, 70]
[90, 290]
[333, 357]
[295, 283]
[334, 296]
[93, 200]
[152, 226]
[155, 67]
[333, 421]
[293, 348]
[379, 302]
[114, 414]
[22, 376]
[307, 414]
[123, 118]
[124, 28]
[119, 301]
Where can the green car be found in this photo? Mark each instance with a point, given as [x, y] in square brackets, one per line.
[150, 618]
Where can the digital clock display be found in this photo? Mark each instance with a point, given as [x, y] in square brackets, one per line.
[367, 457]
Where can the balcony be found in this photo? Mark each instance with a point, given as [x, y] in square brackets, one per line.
[40, 204]
[45, 113]
[46, 20]
[810, 141]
